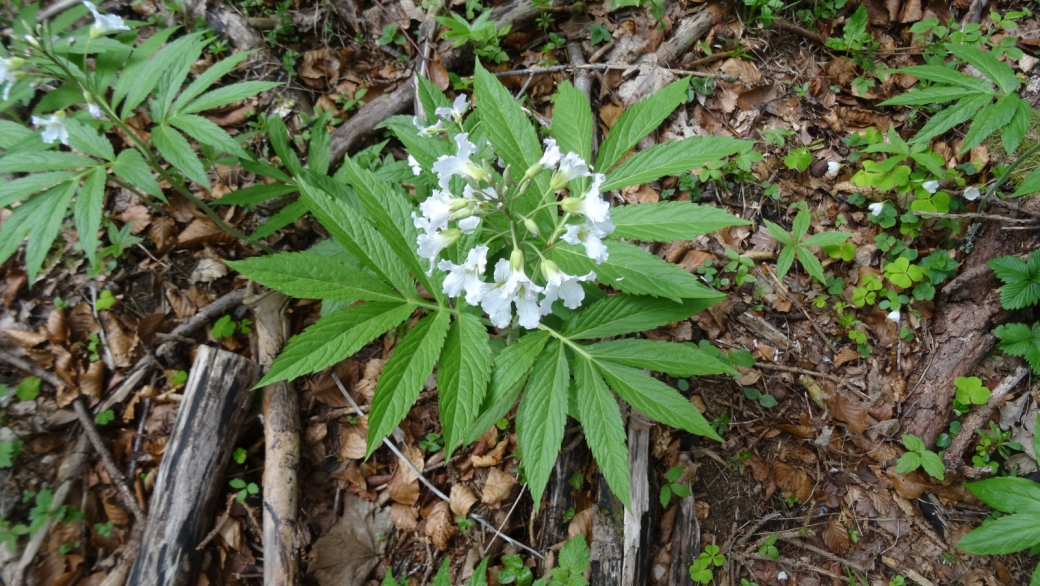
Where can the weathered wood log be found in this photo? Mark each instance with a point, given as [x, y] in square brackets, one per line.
[282, 447]
[636, 550]
[686, 543]
[191, 475]
[558, 497]
[607, 544]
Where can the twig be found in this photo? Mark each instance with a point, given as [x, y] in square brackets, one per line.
[506, 520]
[976, 216]
[588, 67]
[426, 482]
[109, 361]
[953, 458]
[132, 467]
[44, 375]
[1014, 207]
[829, 377]
[786, 25]
[106, 458]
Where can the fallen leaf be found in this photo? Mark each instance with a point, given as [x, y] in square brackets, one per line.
[404, 484]
[792, 481]
[91, 383]
[405, 518]
[497, 487]
[492, 458]
[25, 338]
[353, 547]
[208, 270]
[462, 499]
[440, 526]
[836, 537]
[138, 218]
[581, 524]
[57, 329]
[163, 232]
[853, 413]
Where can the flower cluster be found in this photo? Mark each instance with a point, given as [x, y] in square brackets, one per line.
[469, 190]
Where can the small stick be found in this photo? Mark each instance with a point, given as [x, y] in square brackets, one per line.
[953, 458]
[109, 361]
[132, 467]
[44, 375]
[829, 377]
[106, 458]
[967, 215]
[426, 482]
[506, 520]
[592, 67]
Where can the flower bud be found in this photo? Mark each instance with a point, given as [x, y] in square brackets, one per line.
[571, 205]
[516, 260]
[458, 204]
[531, 226]
[506, 174]
[462, 214]
[549, 269]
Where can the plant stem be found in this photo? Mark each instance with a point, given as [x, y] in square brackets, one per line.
[1006, 175]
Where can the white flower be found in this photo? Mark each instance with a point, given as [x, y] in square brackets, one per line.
[560, 285]
[7, 77]
[437, 210]
[53, 129]
[551, 156]
[511, 286]
[893, 316]
[571, 167]
[456, 111]
[782, 575]
[466, 276]
[832, 167]
[876, 208]
[104, 23]
[416, 167]
[930, 186]
[95, 111]
[590, 204]
[469, 225]
[432, 243]
[431, 130]
[460, 164]
[972, 193]
[590, 236]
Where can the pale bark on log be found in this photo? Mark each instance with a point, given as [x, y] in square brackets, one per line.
[686, 543]
[282, 447]
[191, 475]
[558, 496]
[636, 551]
[606, 549]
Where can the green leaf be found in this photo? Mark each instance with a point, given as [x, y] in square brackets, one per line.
[633, 270]
[318, 150]
[1030, 185]
[604, 430]
[431, 97]
[357, 236]
[443, 577]
[512, 365]
[638, 121]
[206, 132]
[675, 359]
[784, 260]
[462, 379]
[257, 193]
[1021, 282]
[627, 314]
[87, 211]
[309, 276]
[209, 77]
[479, 577]
[28, 389]
[541, 416]
[284, 217]
[85, 139]
[913, 443]
[826, 238]
[46, 223]
[572, 121]
[1004, 535]
[671, 158]
[45, 161]
[656, 399]
[175, 148]
[228, 94]
[333, 338]
[139, 78]
[282, 145]
[800, 225]
[13, 191]
[988, 65]
[1008, 495]
[908, 462]
[404, 374]
[950, 117]
[669, 221]
[989, 120]
[934, 95]
[932, 464]
[1015, 339]
[1017, 127]
[810, 263]
[132, 168]
[782, 236]
[172, 79]
[574, 555]
[12, 133]
[944, 75]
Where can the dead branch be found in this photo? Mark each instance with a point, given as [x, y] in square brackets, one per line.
[954, 456]
[106, 459]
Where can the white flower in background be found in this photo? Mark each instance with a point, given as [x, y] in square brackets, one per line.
[7, 74]
[432, 130]
[104, 23]
[95, 111]
[590, 236]
[972, 193]
[53, 129]
[781, 575]
[560, 285]
[511, 286]
[876, 208]
[459, 164]
[456, 111]
[832, 167]
[416, 167]
[930, 186]
[590, 204]
[479, 196]
[467, 276]
[552, 155]
[571, 167]
[894, 316]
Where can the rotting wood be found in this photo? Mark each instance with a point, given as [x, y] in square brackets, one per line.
[558, 499]
[686, 543]
[281, 446]
[191, 476]
[607, 542]
[636, 549]
[954, 456]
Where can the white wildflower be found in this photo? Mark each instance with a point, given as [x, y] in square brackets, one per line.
[511, 286]
[95, 111]
[571, 167]
[782, 575]
[414, 164]
[459, 164]
[7, 74]
[832, 167]
[437, 209]
[590, 204]
[469, 225]
[876, 208]
[432, 130]
[467, 276]
[104, 23]
[560, 285]
[551, 157]
[930, 186]
[456, 111]
[972, 193]
[590, 236]
[893, 316]
[53, 129]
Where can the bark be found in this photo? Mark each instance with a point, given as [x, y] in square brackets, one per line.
[191, 476]
[558, 496]
[686, 543]
[636, 568]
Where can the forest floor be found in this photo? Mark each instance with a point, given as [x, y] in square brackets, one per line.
[804, 490]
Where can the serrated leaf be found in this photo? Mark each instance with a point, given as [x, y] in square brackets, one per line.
[21, 221]
[1008, 495]
[932, 464]
[574, 555]
[462, 378]
[670, 221]
[1019, 340]
[1016, 129]
[826, 238]
[945, 75]
[175, 148]
[541, 416]
[46, 223]
[44, 161]
[404, 375]
[950, 117]
[333, 338]
[282, 145]
[777, 232]
[228, 94]
[1004, 535]
[86, 139]
[633, 270]
[147, 76]
[627, 314]
[12, 133]
[671, 158]
[172, 79]
[431, 97]
[318, 150]
[638, 121]
[810, 263]
[913, 443]
[657, 400]
[784, 260]
[309, 276]
[479, 577]
[131, 167]
[572, 121]
[144, 66]
[209, 77]
[675, 359]
[1030, 185]
[13, 191]
[283, 218]
[933, 95]
[989, 120]
[908, 462]
[604, 430]
[512, 365]
[87, 211]
[800, 225]
[206, 132]
[1021, 283]
[988, 65]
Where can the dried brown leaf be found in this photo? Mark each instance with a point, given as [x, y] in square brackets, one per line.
[91, 383]
[404, 484]
[353, 547]
[836, 537]
[792, 481]
[492, 458]
[462, 498]
[138, 218]
[25, 338]
[405, 518]
[497, 487]
[853, 413]
[57, 329]
[440, 526]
